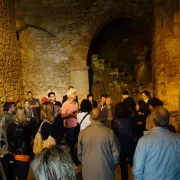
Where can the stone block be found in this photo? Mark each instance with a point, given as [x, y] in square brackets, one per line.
[176, 17]
[176, 30]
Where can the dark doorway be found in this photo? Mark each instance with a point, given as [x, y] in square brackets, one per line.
[124, 46]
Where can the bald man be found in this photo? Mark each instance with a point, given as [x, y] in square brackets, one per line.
[157, 155]
[98, 150]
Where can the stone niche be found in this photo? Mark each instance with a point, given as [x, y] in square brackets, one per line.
[44, 63]
[10, 67]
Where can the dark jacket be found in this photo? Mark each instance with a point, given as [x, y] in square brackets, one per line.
[58, 125]
[19, 139]
[139, 128]
[104, 114]
[94, 104]
[123, 126]
[130, 103]
[123, 129]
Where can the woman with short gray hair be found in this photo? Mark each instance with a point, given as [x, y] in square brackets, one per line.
[54, 163]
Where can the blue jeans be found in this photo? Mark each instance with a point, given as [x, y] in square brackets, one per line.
[71, 138]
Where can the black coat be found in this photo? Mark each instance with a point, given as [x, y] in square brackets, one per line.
[19, 139]
[123, 128]
[130, 103]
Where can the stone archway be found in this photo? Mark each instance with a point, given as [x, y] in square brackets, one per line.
[101, 23]
[129, 12]
[44, 63]
[121, 11]
[75, 31]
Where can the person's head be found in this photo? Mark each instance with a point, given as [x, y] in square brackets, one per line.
[90, 97]
[141, 106]
[70, 87]
[146, 95]
[29, 95]
[52, 96]
[9, 107]
[20, 117]
[125, 94]
[108, 101]
[86, 106]
[95, 114]
[71, 94]
[47, 111]
[26, 104]
[103, 98]
[160, 117]
[54, 163]
[122, 110]
[154, 102]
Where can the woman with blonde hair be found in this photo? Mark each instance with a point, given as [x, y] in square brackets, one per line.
[19, 143]
[47, 116]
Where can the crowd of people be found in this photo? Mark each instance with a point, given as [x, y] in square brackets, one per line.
[97, 135]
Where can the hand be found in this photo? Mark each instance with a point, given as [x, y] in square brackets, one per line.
[74, 112]
[139, 122]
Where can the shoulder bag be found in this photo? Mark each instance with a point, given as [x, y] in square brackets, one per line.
[39, 143]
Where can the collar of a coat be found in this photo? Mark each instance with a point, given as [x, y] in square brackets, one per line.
[96, 123]
[159, 129]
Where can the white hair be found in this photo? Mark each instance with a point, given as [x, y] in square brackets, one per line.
[54, 163]
[70, 91]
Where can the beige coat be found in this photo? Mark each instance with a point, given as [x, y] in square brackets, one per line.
[98, 150]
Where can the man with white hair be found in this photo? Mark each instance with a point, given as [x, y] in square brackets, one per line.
[65, 97]
[157, 155]
[69, 114]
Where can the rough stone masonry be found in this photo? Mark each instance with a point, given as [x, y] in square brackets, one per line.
[68, 28]
[10, 66]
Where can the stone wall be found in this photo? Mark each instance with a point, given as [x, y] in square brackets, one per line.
[45, 65]
[166, 56]
[75, 24]
[10, 68]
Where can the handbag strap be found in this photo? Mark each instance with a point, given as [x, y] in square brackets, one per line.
[39, 130]
[83, 118]
[2, 171]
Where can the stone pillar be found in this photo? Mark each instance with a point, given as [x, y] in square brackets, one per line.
[10, 66]
[166, 54]
[80, 81]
